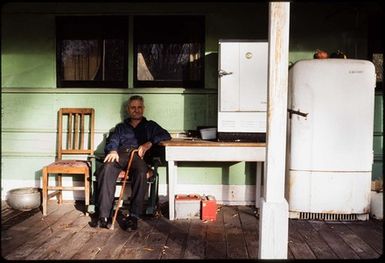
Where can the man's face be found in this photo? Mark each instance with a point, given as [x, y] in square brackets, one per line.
[135, 109]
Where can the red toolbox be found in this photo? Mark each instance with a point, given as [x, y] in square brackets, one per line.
[209, 208]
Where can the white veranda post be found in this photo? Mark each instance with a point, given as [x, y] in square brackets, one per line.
[273, 225]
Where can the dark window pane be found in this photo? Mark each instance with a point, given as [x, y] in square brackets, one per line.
[169, 51]
[170, 62]
[92, 51]
[93, 60]
[114, 60]
[80, 59]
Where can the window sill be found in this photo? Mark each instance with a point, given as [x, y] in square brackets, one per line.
[109, 90]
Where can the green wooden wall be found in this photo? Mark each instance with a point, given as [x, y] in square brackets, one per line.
[30, 99]
[378, 137]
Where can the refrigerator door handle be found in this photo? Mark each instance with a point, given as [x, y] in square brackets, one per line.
[298, 112]
[222, 73]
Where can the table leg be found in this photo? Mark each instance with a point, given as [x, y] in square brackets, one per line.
[258, 184]
[172, 180]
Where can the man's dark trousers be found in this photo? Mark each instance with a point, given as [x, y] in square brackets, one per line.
[107, 175]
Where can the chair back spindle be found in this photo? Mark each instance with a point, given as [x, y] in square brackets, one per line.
[75, 132]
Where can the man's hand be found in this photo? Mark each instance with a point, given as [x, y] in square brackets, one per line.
[112, 157]
[143, 149]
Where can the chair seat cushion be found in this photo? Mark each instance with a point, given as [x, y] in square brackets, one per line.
[74, 163]
[68, 166]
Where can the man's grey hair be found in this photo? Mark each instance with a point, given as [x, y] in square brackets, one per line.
[135, 97]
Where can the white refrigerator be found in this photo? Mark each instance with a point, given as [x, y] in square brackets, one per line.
[330, 143]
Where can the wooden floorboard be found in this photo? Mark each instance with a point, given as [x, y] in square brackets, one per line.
[369, 233]
[297, 243]
[314, 240]
[216, 238]
[335, 242]
[362, 249]
[195, 244]
[72, 243]
[28, 229]
[65, 234]
[377, 225]
[113, 245]
[136, 243]
[176, 240]
[249, 223]
[236, 244]
[155, 245]
[44, 236]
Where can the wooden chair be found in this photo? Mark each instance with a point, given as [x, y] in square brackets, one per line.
[76, 139]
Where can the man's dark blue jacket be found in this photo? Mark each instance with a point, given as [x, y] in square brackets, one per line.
[125, 136]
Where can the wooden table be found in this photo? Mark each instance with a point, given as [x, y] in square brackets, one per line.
[178, 150]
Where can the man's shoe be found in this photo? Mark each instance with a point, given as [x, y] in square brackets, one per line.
[131, 223]
[102, 222]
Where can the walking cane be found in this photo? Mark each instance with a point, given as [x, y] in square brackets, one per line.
[123, 187]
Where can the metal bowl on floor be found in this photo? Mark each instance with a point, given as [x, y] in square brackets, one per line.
[24, 199]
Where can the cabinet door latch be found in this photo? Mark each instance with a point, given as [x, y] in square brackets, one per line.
[222, 73]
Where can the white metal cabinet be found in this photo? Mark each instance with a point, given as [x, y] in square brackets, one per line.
[242, 86]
